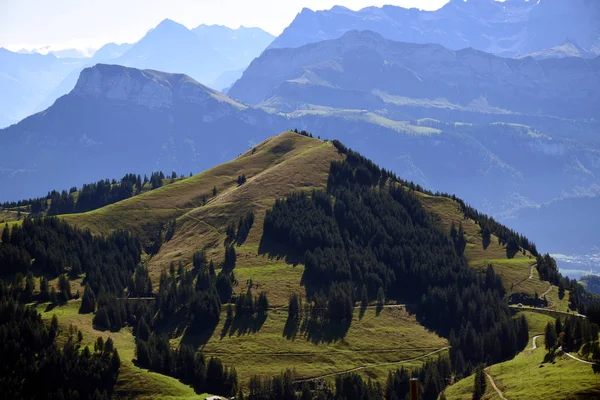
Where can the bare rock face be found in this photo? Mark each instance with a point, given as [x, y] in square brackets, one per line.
[115, 83]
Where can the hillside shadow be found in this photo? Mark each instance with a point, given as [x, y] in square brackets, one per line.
[325, 331]
[243, 325]
[50, 307]
[550, 357]
[510, 253]
[485, 242]
[363, 310]
[278, 251]
[291, 328]
[198, 334]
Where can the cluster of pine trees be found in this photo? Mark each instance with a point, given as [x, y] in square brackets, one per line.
[246, 305]
[432, 378]
[575, 334]
[303, 133]
[513, 240]
[367, 229]
[155, 353]
[243, 228]
[34, 367]
[57, 248]
[119, 291]
[90, 197]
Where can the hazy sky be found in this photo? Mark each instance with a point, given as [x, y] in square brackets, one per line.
[91, 23]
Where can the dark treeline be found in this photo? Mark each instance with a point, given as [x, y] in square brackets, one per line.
[432, 378]
[513, 240]
[303, 133]
[34, 367]
[574, 334]
[197, 295]
[155, 353]
[378, 235]
[489, 225]
[119, 291]
[578, 297]
[91, 196]
[243, 228]
[57, 248]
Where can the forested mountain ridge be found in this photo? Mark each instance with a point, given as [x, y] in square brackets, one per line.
[223, 237]
[485, 127]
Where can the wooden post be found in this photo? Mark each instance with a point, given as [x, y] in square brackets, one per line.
[414, 389]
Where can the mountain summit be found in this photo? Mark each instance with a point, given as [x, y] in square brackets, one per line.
[362, 70]
[203, 53]
[510, 28]
[140, 120]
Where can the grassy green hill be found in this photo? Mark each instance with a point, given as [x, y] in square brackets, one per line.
[134, 382]
[530, 376]
[374, 344]
[518, 273]
[281, 165]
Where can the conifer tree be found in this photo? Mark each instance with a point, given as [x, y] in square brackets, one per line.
[479, 384]
[550, 336]
[380, 300]
[5, 234]
[294, 307]
[88, 301]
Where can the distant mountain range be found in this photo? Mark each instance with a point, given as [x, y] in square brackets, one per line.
[125, 119]
[495, 130]
[26, 80]
[215, 55]
[516, 137]
[203, 53]
[509, 28]
[362, 70]
[130, 120]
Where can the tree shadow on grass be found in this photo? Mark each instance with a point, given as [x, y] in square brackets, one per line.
[198, 334]
[242, 325]
[278, 251]
[325, 331]
[549, 357]
[485, 242]
[363, 310]
[291, 328]
[511, 252]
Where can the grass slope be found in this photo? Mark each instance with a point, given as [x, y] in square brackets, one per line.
[134, 382]
[515, 272]
[527, 376]
[275, 168]
[278, 166]
[379, 343]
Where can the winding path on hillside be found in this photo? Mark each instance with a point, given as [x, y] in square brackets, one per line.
[494, 385]
[578, 359]
[314, 378]
[546, 292]
[531, 272]
[534, 345]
